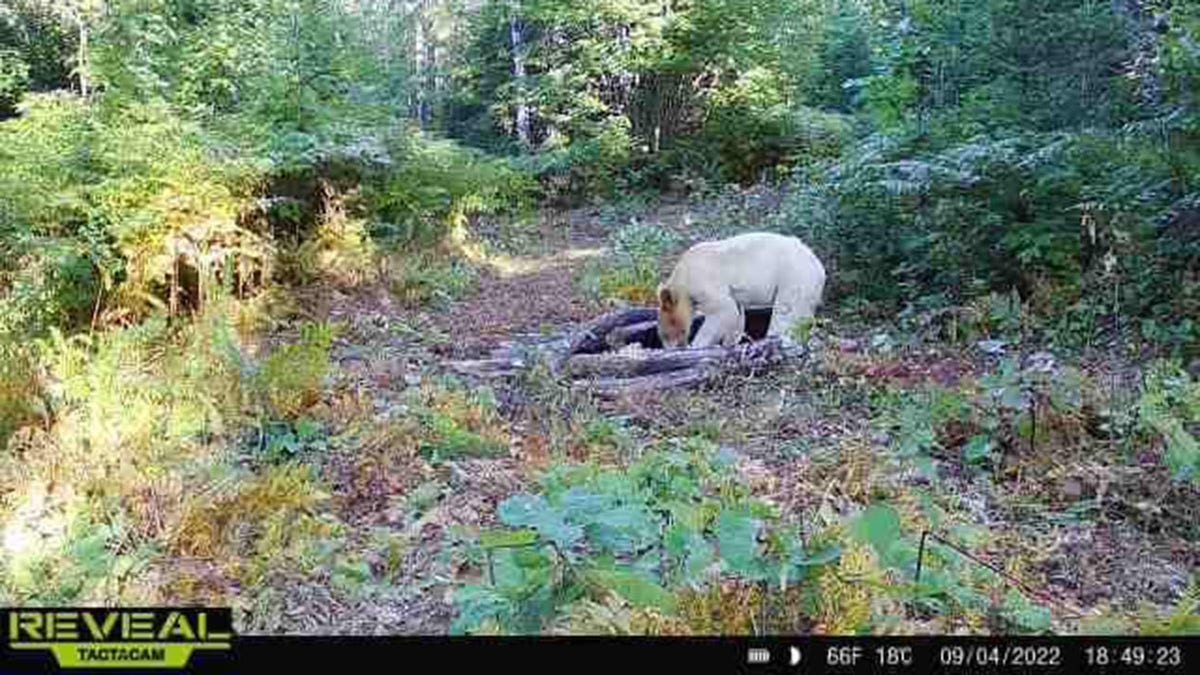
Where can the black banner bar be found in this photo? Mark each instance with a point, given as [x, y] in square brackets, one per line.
[728, 656]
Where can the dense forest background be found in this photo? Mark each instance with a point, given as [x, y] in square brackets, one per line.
[182, 180]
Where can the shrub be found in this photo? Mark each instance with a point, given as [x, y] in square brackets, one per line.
[455, 424]
[127, 202]
[293, 375]
[436, 185]
[421, 278]
[19, 388]
[753, 128]
[675, 519]
[633, 273]
[14, 80]
[1169, 408]
[898, 221]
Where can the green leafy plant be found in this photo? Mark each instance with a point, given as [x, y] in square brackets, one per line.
[1167, 408]
[282, 441]
[632, 274]
[951, 582]
[675, 518]
[293, 375]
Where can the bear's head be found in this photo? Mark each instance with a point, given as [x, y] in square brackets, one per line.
[674, 317]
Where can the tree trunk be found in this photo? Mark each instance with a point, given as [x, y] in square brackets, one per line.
[518, 59]
[84, 81]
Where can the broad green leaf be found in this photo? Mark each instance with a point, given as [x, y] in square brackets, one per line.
[578, 503]
[977, 449]
[521, 571]
[623, 529]
[307, 429]
[694, 552]
[532, 511]
[507, 538]
[825, 556]
[737, 541]
[475, 604]
[635, 588]
[521, 510]
[879, 525]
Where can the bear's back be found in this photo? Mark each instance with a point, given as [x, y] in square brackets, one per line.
[751, 258]
[764, 248]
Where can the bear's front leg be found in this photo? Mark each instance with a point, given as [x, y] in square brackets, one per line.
[723, 323]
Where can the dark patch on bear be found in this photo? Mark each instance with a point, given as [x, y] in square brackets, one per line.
[757, 323]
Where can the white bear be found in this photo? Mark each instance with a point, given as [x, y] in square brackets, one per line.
[720, 278]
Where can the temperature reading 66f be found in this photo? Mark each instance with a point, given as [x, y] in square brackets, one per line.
[894, 656]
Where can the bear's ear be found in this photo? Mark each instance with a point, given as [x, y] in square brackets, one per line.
[666, 299]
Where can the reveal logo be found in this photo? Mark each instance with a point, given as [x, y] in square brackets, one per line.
[120, 638]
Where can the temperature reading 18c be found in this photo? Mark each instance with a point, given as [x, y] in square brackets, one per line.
[894, 656]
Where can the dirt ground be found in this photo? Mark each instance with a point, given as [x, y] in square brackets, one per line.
[803, 431]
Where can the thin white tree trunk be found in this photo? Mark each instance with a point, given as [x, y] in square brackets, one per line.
[84, 83]
[522, 108]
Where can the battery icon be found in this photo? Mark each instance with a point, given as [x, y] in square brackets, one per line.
[758, 656]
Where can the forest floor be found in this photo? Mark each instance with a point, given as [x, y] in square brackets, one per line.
[1087, 532]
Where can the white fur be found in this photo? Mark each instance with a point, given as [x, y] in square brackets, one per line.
[756, 269]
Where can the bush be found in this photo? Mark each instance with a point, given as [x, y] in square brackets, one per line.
[674, 520]
[898, 223]
[126, 200]
[752, 128]
[293, 375]
[422, 278]
[436, 186]
[633, 274]
[14, 81]
[19, 388]
[1169, 409]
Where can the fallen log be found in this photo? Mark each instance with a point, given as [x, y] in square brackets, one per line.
[644, 333]
[620, 353]
[640, 362]
[640, 371]
[610, 387]
[593, 338]
[487, 369]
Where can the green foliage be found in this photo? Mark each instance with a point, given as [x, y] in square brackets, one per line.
[951, 583]
[1001, 411]
[18, 387]
[673, 519]
[420, 279]
[437, 186]
[632, 273]
[37, 44]
[280, 441]
[293, 375]
[101, 198]
[1005, 169]
[916, 417]
[1182, 620]
[1169, 408]
[753, 127]
[14, 81]
[456, 424]
[84, 567]
[637, 89]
